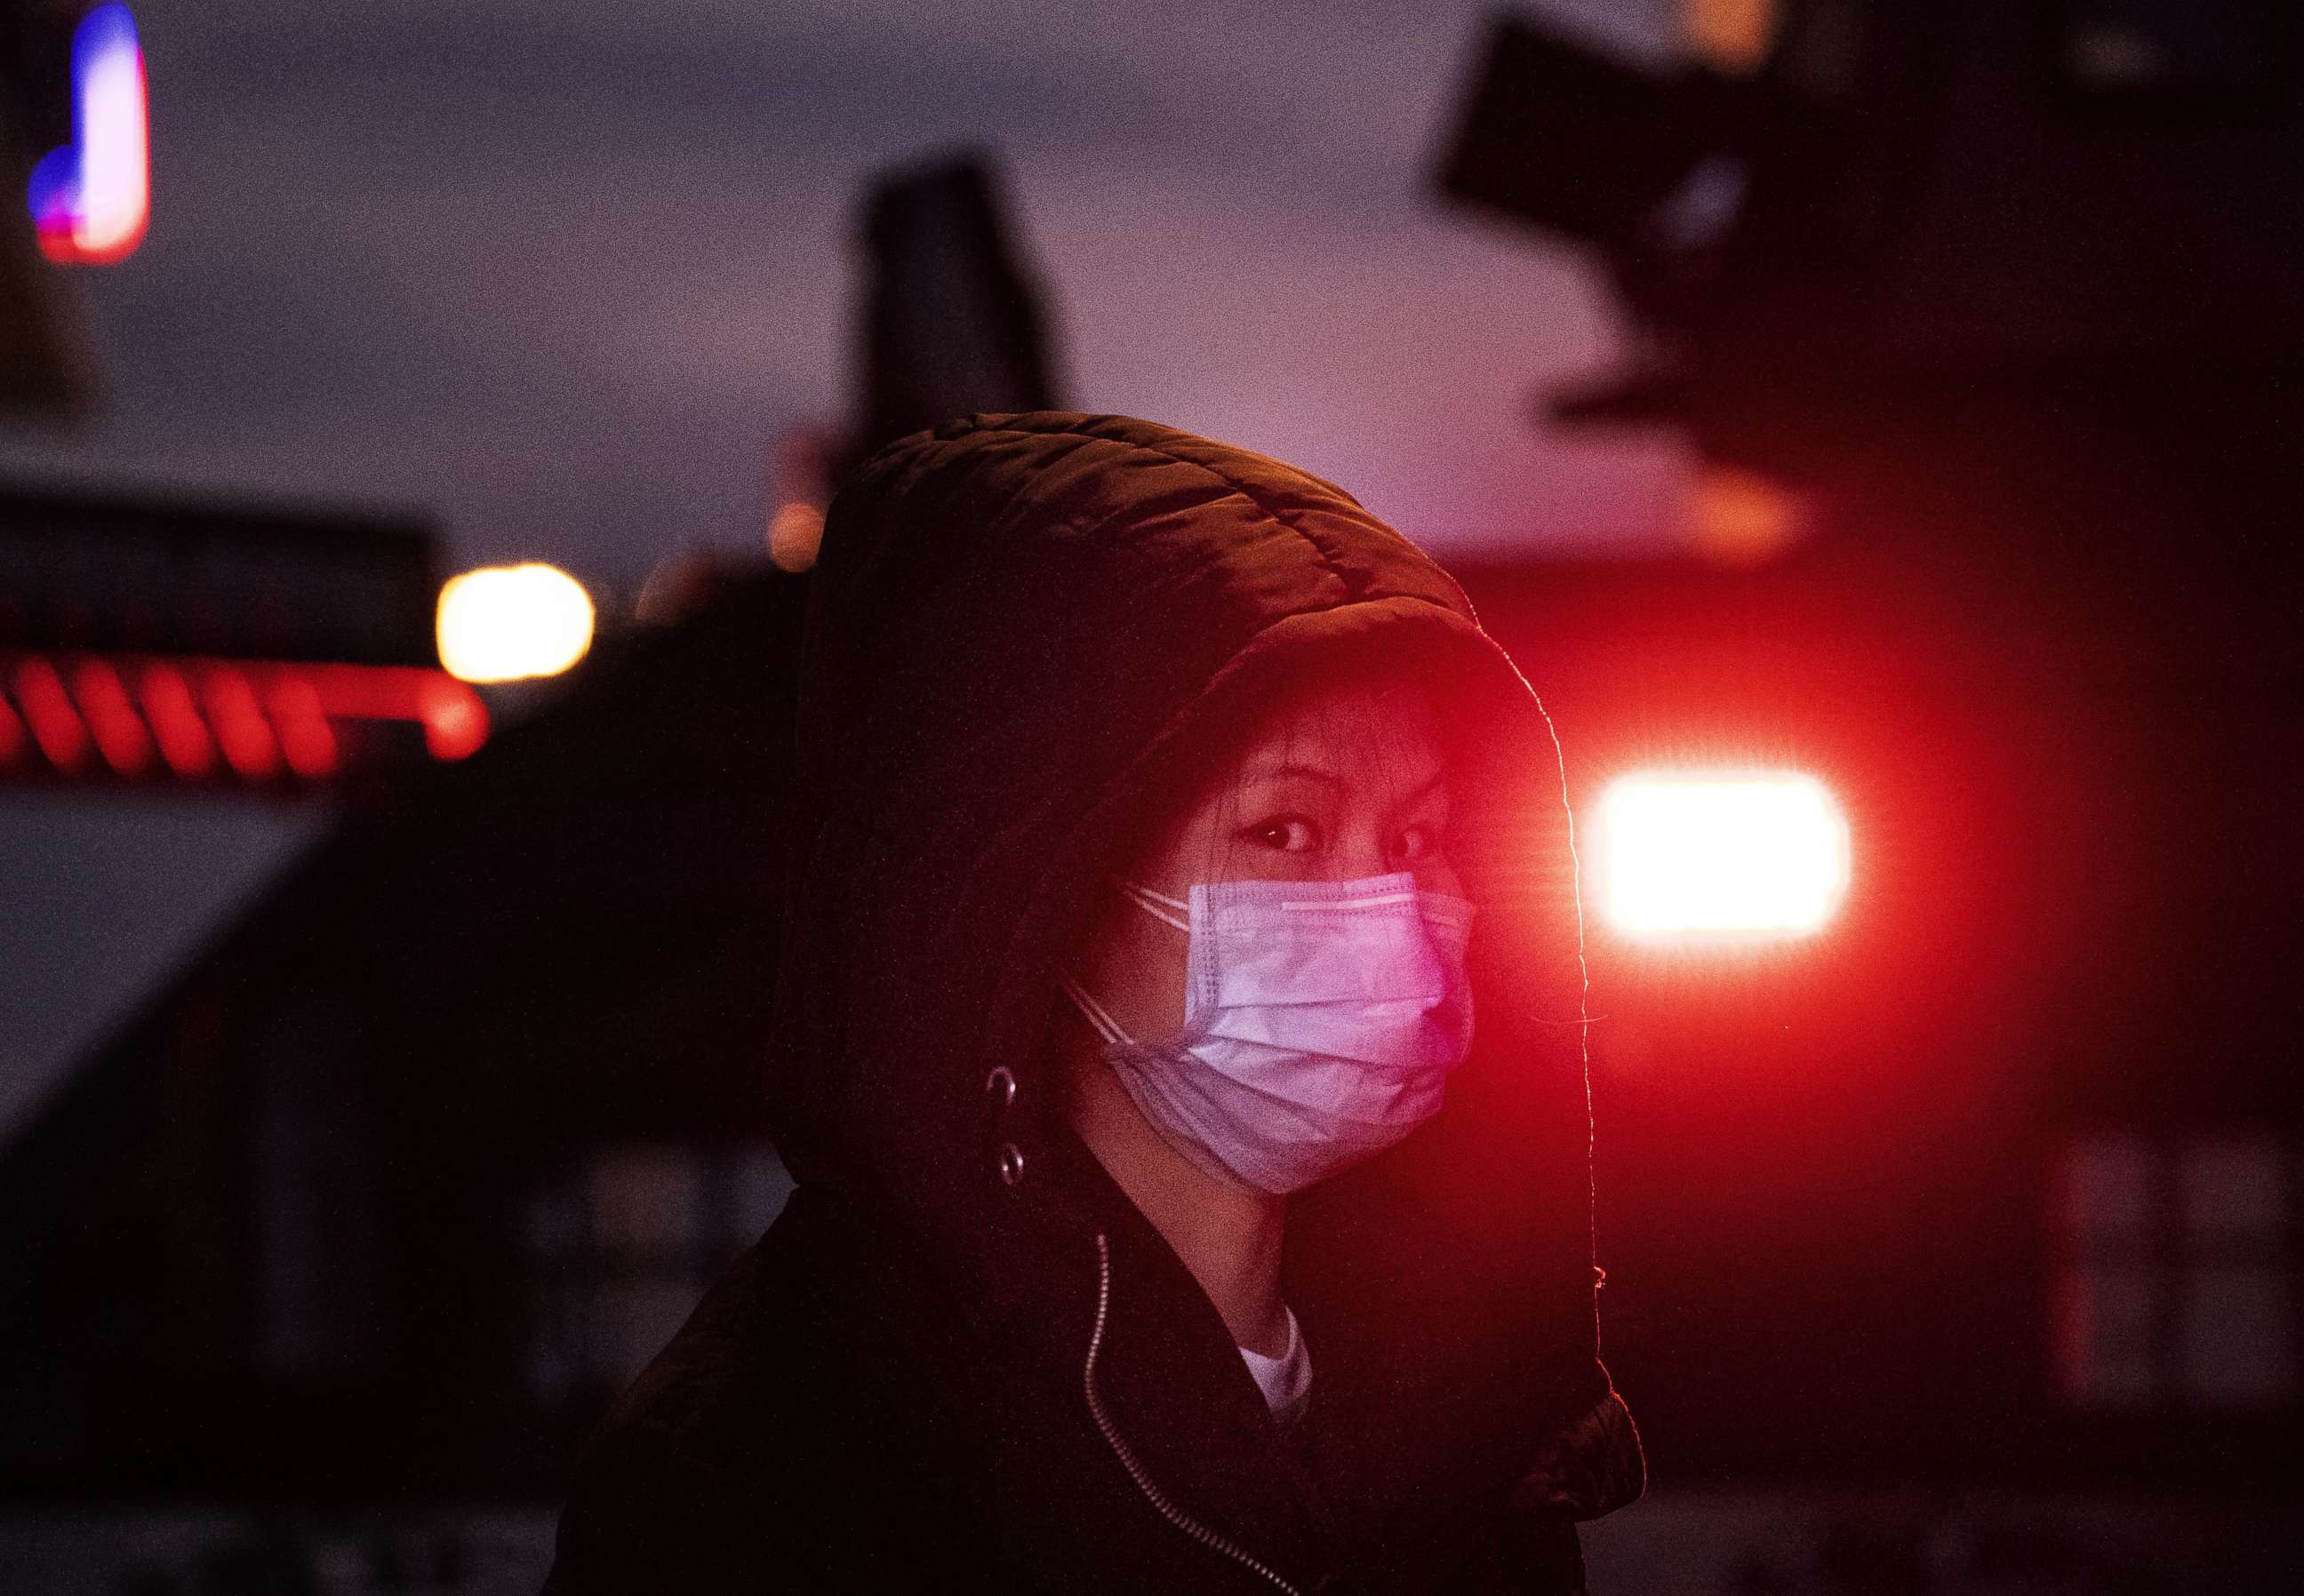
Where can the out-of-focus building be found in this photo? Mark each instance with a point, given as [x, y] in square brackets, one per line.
[437, 1144]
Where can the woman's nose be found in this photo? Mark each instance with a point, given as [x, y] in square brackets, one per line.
[1360, 857]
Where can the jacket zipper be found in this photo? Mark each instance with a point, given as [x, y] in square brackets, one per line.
[1211, 1539]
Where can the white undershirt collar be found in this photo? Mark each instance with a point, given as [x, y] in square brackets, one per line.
[1286, 1381]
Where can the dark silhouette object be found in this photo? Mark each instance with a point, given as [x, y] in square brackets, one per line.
[1904, 209]
[953, 322]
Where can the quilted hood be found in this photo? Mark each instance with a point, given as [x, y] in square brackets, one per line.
[1019, 627]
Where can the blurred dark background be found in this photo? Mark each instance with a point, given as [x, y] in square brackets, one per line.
[1900, 396]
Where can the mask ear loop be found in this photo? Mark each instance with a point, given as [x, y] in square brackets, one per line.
[1170, 911]
[1095, 1014]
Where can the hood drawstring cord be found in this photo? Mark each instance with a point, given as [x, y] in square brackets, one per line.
[1168, 1510]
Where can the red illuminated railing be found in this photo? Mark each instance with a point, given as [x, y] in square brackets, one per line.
[135, 717]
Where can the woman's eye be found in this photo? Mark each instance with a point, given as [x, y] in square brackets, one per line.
[1417, 842]
[1289, 833]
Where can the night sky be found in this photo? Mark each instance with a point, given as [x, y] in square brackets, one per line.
[557, 271]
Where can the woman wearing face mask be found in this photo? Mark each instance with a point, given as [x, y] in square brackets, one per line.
[1179, 1053]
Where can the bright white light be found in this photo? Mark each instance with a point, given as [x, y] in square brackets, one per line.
[1699, 853]
[113, 169]
[504, 623]
[91, 199]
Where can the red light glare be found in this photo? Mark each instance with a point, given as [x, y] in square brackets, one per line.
[11, 735]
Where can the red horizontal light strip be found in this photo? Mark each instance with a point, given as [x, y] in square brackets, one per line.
[258, 714]
[456, 722]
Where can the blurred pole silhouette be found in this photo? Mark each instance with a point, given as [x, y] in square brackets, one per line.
[953, 322]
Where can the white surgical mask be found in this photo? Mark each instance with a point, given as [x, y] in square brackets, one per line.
[1321, 1020]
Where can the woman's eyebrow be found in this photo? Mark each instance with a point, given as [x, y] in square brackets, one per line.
[1275, 772]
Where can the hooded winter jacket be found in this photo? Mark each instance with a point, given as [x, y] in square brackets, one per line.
[960, 1358]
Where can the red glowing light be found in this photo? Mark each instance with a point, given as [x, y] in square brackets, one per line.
[302, 726]
[11, 735]
[241, 728]
[175, 721]
[455, 720]
[104, 707]
[48, 711]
